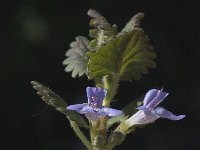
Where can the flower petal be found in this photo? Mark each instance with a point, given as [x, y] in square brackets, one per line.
[111, 112]
[141, 118]
[81, 108]
[146, 111]
[167, 114]
[150, 95]
[76, 107]
[95, 93]
[159, 97]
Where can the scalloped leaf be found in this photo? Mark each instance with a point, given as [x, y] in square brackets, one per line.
[76, 61]
[52, 99]
[133, 23]
[101, 31]
[129, 55]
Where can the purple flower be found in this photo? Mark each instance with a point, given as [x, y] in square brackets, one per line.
[149, 112]
[94, 109]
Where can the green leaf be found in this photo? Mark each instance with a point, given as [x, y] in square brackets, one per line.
[49, 96]
[73, 116]
[115, 120]
[76, 61]
[116, 138]
[130, 108]
[128, 111]
[129, 55]
[52, 99]
[101, 31]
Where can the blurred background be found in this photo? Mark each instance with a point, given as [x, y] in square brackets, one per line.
[34, 36]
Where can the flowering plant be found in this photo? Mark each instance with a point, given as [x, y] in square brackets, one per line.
[110, 56]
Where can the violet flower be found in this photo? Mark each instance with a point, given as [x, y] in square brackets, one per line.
[94, 109]
[149, 112]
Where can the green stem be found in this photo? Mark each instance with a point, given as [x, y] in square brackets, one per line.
[98, 133]
[92, 133]
[98, 82]
[111, 83]
[80, 134]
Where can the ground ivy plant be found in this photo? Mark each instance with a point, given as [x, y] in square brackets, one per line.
[108, 57]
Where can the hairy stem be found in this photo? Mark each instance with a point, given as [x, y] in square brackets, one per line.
[98, 133]
[111, 83]
[80, 134]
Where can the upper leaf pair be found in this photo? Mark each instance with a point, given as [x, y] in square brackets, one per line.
[127, 53]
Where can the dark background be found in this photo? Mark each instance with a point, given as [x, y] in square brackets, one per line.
[34, 36]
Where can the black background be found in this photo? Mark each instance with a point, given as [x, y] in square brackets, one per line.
[34, 36]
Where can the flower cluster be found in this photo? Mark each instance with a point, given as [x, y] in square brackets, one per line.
[148, 112]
